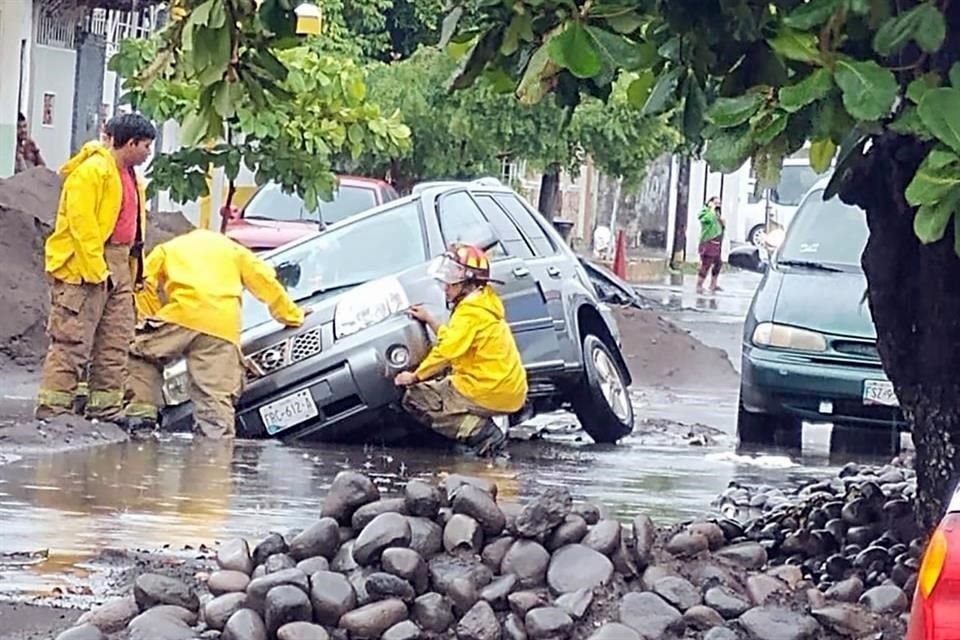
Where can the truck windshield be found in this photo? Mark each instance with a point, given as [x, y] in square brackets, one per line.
[377, 246]
[271, 203]
[826, 232]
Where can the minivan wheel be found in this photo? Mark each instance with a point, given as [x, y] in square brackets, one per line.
[601, 400]
[768, 429]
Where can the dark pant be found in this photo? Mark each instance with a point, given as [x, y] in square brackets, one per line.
[710, 260]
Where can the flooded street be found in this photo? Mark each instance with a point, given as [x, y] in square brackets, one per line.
[60, 511]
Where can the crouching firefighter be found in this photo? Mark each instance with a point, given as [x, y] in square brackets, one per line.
[474, 371]
[202, 276]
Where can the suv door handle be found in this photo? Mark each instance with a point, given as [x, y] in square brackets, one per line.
[521, 272]
[553, 272]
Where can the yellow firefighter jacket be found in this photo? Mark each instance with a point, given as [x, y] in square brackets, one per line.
[202, 275]
[480, 350]
[89, 208]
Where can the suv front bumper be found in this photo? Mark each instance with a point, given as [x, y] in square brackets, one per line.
[348, 386]
[777, 383]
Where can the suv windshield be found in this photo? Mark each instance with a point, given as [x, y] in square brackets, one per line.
[383, 244]
[271, 203]
[827, 232]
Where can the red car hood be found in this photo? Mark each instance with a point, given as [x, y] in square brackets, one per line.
[267, 234]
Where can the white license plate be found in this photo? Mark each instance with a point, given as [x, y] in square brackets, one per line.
[879, 392]
[287, 412]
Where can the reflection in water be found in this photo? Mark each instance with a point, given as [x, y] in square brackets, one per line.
[146, 495]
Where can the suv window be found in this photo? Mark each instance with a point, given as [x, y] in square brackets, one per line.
[271, 203]
[374, 247]
[526, 220]
[507, 230]
[458, 213]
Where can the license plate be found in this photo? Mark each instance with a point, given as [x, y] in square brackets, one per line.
[879, 392]
[287, 412]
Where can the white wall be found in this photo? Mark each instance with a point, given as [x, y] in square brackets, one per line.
[54, 71]
[705, 184]
[15, 27]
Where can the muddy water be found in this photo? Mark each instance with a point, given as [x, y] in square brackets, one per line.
[152, 495]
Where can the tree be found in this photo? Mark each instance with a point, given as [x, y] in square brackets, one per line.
[246, 89]
[872, 83]
[483, 124]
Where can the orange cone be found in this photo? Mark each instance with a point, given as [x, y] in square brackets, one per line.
[620, 256]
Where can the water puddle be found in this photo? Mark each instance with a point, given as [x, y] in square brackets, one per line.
[60, 510]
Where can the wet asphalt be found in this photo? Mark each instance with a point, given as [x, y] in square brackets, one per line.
[59, 510]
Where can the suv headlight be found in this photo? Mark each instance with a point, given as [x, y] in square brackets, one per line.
[175, 384]
[779, 336]
[367, 305]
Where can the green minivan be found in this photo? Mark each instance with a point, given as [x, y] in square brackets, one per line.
[809, 343]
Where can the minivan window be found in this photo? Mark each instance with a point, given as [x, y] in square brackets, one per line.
[531, 227]
[374, 247]
[272, 203]
[829, 232]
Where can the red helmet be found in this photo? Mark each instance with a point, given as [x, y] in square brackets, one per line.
[462, 263]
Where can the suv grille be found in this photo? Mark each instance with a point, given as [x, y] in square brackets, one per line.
[285, 353]
[856, 348]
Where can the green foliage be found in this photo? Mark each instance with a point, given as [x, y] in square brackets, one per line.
[770, 76]
[466, 134]
[288, 113]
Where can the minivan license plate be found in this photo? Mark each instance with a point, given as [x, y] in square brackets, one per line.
[289, 411]
[879, 392]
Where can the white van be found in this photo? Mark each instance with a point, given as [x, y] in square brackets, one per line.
[796, 178]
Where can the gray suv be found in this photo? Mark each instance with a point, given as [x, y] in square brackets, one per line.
[332, 378]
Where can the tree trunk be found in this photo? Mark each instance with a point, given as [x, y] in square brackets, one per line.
[679, 253]
[914, 297]
[549, 192]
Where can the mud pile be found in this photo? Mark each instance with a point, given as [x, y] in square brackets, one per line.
[28, 207]
[449, 561]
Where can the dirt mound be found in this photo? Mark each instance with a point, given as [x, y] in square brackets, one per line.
[28, 206]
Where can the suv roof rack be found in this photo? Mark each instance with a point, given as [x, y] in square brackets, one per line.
[487, 181]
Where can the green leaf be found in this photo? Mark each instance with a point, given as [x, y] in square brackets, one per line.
[575, 50]
[639, 89]
[797, 45]
[192, 129]
[222, 103]
[732, 112]
[919, 87]
[534, 84]
[617, 52]
[519, 30]
[767, 125]
[662, 92]
[812, 88]
[955, 75]
[449, 26]
[869, 90]
[694, 106]
[821, 154]
[811, 14]
[924, 24]
[729, 149]
[930, 222]
[936, 177]
[956, 235]
[940, 112]
[909, 123]
[627, 22]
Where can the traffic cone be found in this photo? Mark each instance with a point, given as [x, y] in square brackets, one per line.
[620, 256]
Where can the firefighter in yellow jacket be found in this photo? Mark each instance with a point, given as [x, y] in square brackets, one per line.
[486, 375]
[94, 260]
[201, 277]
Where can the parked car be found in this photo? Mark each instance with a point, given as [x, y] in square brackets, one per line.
[272, 218]
[809, 343]
[935, 614]
[333, 377]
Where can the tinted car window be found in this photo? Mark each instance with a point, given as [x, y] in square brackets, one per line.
[458, 215]
[271, 203]
[372, 248]
[829, 231]
[531, 227]
[513, 242]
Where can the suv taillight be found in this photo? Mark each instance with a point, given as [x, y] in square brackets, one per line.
[936, 602]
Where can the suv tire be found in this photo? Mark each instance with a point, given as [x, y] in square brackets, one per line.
[601, 400]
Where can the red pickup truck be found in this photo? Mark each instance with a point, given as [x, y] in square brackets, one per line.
[272, 218]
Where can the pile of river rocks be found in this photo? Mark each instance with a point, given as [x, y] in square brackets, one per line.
[451, 562]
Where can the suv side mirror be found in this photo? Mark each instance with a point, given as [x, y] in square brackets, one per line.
[747, 258]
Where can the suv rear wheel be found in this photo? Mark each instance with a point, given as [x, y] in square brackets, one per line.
[601, 400]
